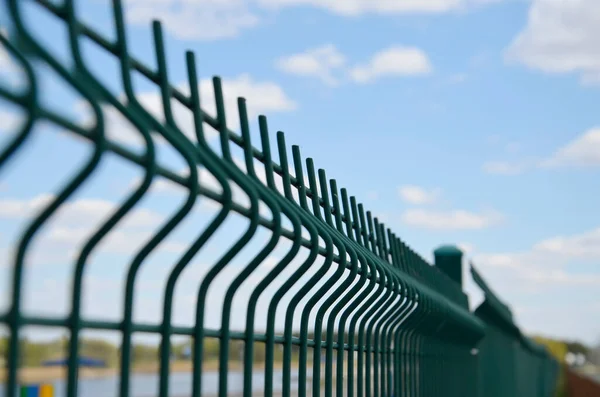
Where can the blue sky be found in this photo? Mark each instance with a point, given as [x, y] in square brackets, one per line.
[471, 122]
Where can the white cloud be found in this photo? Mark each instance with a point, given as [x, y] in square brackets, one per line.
[322, 63]
[165, 186]
[504, 167]
[548, 255]
[317, 62]
[563, 320]
[116, 126]
[418, 195]
[51, 295]
[4, 58]
[358, 7]
[15, 208]
[9, 121]
[584, 245]
[6, 62]
[262, 97]
[121, 241]
[194, 19]
[500, 260]
[530, 270]
[557, 273]
[75, 212]
[74, 223]
[208, 181]
[560, 37]
[394, 61]
[466, 248]
[450, 220]
[12, 74]
[583, 151]
[559, 277]
[539, 272]
[219, 19]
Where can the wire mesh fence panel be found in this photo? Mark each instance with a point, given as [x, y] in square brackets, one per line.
[242, 268]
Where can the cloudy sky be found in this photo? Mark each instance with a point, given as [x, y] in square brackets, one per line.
[472, 122]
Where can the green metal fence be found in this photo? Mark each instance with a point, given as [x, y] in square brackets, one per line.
[387, 322]
[511, 364]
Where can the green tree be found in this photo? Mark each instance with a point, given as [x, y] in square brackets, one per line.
[211, 348]
[577, 348]
[144, 353]
[99, 349]
[559, 350]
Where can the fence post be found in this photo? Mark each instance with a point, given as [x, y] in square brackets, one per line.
[448, 258]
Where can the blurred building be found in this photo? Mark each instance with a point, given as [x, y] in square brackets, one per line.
[594, 356]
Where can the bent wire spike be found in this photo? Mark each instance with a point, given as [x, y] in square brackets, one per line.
[386, 321]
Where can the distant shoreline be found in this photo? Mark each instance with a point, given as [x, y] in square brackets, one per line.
[47, 374]
[28, 375]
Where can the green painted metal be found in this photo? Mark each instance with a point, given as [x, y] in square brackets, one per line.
[510, 362]
[449, 260]
[386, 322]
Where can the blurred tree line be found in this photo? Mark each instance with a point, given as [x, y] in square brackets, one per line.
[559, 350]
[34, 353]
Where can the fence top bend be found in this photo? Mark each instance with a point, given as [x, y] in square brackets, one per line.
[492, 309]
[404, 296]
[351, 238]
[370, 235]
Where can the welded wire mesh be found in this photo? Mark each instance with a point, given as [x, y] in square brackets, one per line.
[511, 364]
[348, 307]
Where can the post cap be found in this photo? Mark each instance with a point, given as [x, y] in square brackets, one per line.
[447, 250]
[448, 258]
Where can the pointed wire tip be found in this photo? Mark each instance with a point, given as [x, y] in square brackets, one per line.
[190, 60]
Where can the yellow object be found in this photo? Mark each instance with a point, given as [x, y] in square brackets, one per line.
[46, 390]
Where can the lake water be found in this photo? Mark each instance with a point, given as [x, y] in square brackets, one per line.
[180, 385]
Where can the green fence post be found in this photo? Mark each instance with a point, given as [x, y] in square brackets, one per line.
[448, 258]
